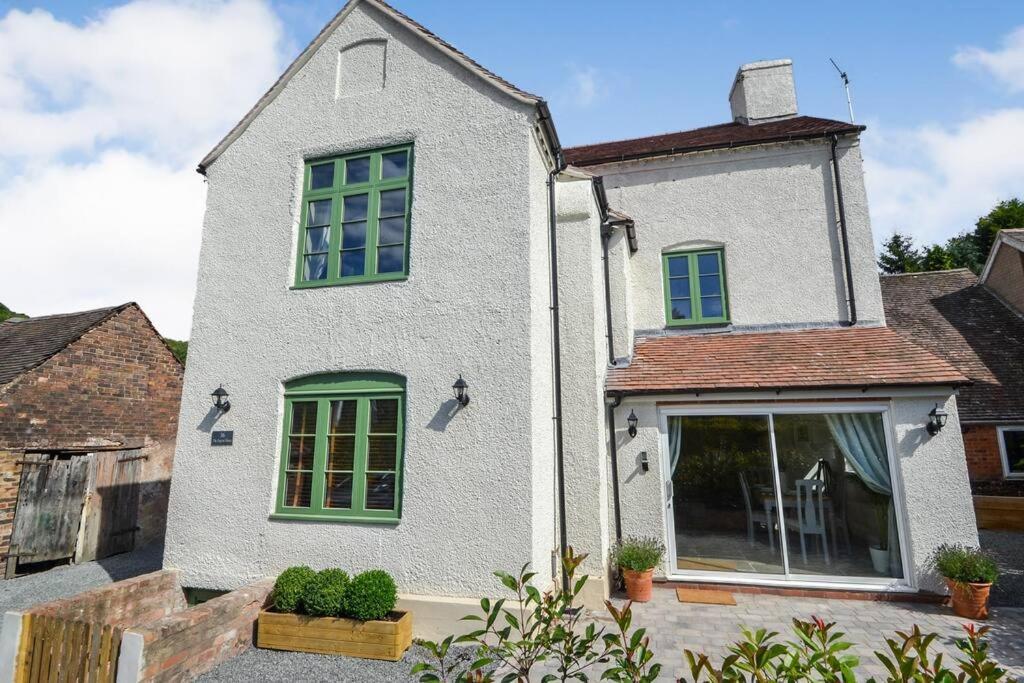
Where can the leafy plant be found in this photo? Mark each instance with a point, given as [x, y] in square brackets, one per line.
[638, 554]
[963, 565]
[289, 587]
[323, 593]
[369, 596]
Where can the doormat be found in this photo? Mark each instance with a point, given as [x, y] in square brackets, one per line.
[706, 564]
[705, 597]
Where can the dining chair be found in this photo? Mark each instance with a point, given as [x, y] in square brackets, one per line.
[810, 515]
[756, 516]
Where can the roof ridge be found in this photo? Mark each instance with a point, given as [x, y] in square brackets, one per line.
[69, 313]
[926, 272]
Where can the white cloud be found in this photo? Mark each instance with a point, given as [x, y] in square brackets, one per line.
[934, 182]
[101, 126]
[586, 86]
[1006, 64]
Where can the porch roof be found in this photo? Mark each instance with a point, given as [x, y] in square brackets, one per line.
[806, 359]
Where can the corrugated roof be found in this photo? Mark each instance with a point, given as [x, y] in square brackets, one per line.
[804, 359]
[724, 135]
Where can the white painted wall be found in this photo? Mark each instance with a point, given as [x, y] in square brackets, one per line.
[773, 209]
[474, 303]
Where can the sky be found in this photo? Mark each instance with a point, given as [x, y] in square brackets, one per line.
[107, 106]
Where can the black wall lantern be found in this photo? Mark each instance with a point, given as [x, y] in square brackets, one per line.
[936, 420]
[632, 421]
[220, 399]
[461, 394]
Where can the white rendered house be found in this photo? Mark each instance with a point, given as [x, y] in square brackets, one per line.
[688, 342]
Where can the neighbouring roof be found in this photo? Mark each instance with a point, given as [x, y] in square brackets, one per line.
[805, 359]
[457, 55]
[950, 314]
[28, 343]
[1013, 237]
[724, 135]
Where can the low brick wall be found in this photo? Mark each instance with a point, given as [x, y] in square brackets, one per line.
[127, 603]
[186, 644]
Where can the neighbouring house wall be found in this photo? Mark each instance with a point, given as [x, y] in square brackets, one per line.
[619, 277]
[117, 387]
[1006, 277]
[932, 472]
[981, 444]
[773, 209]
[467, 307]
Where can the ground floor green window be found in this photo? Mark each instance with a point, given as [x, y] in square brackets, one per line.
[694, 284]
[341, 455]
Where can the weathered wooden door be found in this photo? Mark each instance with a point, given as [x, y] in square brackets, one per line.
[111, 517]
[50, 500]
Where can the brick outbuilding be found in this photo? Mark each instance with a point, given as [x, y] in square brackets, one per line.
[88, 419]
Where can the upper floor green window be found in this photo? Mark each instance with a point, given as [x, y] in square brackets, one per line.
[341, 455]
[695, 287]
[355, 218]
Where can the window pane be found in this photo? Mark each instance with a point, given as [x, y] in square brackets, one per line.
[380, 491]
[343, 417]
[341, 452]
[710, 284]
[381, 452]
[315, 267]
[357, 170]
[304, 417]
[711, 306]
[300, 452]
[1013, 442]
[338, 490]
[389, 259]
[352, 262]
[321, 176]
[681, 309]
[319, 212]
[394, 165]
[298, 489]
[707, 264]
[353, 235]
[677, 265]
[355, 207]
[392, 230]
[679, 287]
[316, 240]
[383, 416]
[392, 202]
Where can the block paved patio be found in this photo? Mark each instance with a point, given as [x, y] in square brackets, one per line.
[673, 626]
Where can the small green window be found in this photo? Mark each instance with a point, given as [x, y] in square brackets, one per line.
[695, 287]
[355, 218]
[341, 456]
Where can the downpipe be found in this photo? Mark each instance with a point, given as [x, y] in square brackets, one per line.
[841, 208]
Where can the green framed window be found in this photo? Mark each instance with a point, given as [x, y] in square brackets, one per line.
[341, 456]
[694, 283]
[355, 218]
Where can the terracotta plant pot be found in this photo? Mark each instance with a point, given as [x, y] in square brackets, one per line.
[639, 585]
[970, 600]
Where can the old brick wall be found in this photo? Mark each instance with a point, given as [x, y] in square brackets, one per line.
[116, 387]
[981, 443]
[139, 600]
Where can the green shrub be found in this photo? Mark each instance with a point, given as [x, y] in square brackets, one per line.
[961, 564]
[638, 554]
[287, 595]
[324, 592]
[370, 595]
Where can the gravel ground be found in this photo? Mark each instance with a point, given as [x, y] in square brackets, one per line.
[274, 665]
[1008, 549]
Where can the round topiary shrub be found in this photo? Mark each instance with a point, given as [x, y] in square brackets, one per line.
[371, 595]
[323, 594]
[287, 595]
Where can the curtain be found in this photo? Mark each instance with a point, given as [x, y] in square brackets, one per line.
[861, 438]
[675, 442]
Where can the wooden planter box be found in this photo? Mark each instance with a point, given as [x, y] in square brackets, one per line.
[331, 636]
[999, 512]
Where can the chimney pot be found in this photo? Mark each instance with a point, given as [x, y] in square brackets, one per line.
[763, 92]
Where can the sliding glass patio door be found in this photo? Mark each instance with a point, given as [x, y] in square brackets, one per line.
[791, 494]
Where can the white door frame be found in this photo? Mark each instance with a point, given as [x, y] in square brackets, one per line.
[905, 584]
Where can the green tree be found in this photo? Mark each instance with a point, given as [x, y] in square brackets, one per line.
[899, 255]
[963, 252]
[178, 348]
[6, 313]
[936, 257]
[1006, 214]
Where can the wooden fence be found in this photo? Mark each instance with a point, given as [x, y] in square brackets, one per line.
[55, 650]
[1000, 512]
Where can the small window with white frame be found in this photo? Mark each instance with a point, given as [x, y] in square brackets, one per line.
[1011, 450]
